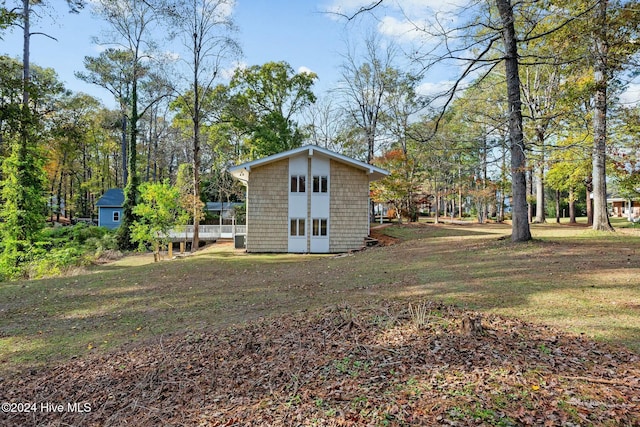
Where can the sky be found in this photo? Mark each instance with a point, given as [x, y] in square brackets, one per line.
[300, 32]
[303, 33]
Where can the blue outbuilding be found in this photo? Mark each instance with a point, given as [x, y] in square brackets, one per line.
[110, 208]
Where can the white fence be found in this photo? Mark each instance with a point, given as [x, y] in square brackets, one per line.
[208, 232]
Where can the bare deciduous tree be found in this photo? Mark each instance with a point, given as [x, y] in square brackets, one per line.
[206, 30]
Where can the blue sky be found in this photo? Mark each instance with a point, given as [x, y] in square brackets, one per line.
[299, 32]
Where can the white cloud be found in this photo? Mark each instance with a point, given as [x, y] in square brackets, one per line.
[304, 69]
[411, 9]
[400, 29]
[405, 21]
[170, 56]
[432, 89]
[436, 91]
[225, 9]
[227, 73]
[631, 96]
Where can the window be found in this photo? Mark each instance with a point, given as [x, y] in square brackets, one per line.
[116, 216]
[297, 227]
[319, 226]
[320, 184]
[298, 183]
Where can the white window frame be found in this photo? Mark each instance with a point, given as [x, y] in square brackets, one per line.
[320, 180]
[319, 228]
[300, 227]
[300, 184]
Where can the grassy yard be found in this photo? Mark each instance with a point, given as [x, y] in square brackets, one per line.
[570, 277]
[228, 338]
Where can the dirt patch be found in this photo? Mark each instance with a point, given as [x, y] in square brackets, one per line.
[383, 239]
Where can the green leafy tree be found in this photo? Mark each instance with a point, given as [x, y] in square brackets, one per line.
[10, 100]
[264, 104]
[23, 184]
[132, 23]
[24, 180]
[7, 18]
[614, 32]
[112, 70]
[158, 211]
[23, 194]
[400, 187]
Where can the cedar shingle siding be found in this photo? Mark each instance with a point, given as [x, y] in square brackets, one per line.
[268, 198]
[267, 219]
[349, 217]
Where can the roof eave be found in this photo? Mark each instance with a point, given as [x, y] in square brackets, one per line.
[242, 171]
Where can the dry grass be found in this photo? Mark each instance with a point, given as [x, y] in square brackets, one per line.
[570, 277]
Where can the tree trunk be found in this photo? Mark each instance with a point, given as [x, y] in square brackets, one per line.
[149, 138]
[132, 183]
[25, 119]
[558, 206]
[437, 217]
[445, 205]
[540, 208]
[520, 231]
[61, 201]
[529, 177]
[589, 203]
[195, 242]
[572, 207]
[599, 156]
[125, 170]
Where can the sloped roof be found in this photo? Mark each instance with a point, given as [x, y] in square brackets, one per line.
[241, 171]
[114, 197]
[216, 206]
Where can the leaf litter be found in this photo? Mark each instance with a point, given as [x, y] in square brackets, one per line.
[343, 366]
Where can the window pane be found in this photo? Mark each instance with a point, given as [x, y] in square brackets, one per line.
[294, 184]
[323, 227]
[316, 227]
[316, 184]
[294, 227]
[301, 231]
[301, 184]
[324, 186]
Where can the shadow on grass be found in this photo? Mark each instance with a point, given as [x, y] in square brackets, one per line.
[580, 284]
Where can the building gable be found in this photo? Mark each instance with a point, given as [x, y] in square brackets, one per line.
[307, 200]
[110, 208]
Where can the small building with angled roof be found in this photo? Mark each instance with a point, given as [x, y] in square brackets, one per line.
[110, 208]
[307, 200]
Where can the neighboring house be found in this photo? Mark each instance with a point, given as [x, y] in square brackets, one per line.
[622, 207]
[110, 208]
[225, 211]
[307, 200]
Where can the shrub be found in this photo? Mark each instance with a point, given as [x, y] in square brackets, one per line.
[56, 262]
[56, 251]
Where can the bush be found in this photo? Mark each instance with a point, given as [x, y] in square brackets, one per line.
[58, 250]
[56, 262]
[99, 245]
[79, 233]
